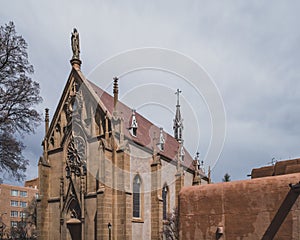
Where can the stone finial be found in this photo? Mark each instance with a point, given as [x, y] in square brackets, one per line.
[161, 140]
[46, 120]
[154, 142]
[208, 174]
[116, 91]
[197, 161]
[197, 177]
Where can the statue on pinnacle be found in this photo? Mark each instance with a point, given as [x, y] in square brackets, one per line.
[75, 44]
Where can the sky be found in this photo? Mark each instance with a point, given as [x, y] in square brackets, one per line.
[249, 49]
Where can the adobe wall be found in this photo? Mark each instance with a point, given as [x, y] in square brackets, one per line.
[244, 209]
[279, 168]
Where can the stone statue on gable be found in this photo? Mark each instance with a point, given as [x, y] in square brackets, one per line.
[75, 44]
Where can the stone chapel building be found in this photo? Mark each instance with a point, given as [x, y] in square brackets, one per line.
[106, 171]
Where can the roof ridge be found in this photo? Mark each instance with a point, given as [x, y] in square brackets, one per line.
[172, 145]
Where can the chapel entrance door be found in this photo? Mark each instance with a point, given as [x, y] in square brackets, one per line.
[74, 227]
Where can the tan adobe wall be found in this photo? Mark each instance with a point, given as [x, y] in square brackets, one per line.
[244, 209]
[279, 168]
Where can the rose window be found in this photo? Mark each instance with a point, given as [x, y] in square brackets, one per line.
[76, 151]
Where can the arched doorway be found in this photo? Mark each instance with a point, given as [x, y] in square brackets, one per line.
[73, 217]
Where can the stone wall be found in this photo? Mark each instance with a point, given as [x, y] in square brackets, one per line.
[242, 209]
[141, 164]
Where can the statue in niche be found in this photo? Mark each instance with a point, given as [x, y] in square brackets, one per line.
[75, 44]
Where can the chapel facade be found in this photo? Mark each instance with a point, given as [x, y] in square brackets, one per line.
[106, 171]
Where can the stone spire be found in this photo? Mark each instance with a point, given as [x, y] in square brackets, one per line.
[43, 160]
[178, 121]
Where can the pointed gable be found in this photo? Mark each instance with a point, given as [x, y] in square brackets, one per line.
[146, 129]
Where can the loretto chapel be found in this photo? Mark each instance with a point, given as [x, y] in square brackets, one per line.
[106, 171]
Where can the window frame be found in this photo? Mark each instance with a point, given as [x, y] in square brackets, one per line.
[14, 201]
[139, 217]
[13, 224]
[23, 194]
[23, 203]
[166, 201]
[14, 193]
[22, 214]
[14, 214]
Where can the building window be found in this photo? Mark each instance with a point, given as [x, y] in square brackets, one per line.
[165, 201]
[23, 194]
[14, 203]
[22, 214]
[13, 223]
[14, 213]
[14, 193]
[23, 204]
[137, 197]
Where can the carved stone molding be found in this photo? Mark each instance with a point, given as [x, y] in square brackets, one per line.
[76, 157]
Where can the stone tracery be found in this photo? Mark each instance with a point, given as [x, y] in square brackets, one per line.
[76, 156]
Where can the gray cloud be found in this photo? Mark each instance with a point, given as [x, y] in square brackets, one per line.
[251, 50]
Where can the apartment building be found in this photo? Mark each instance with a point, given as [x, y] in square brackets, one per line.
[13, 202]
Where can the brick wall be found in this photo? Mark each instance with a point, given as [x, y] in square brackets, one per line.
[13, 201]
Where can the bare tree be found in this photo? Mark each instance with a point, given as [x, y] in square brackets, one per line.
[171, 226]
[30, 219]
[18, 95]
[31, 211]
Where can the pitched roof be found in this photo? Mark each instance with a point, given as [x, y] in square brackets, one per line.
[146, 129]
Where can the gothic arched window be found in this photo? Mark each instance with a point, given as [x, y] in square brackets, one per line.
[165, 201]
[137, 197]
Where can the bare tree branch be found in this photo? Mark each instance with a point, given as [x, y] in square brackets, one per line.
[171, 226]
[18, 96]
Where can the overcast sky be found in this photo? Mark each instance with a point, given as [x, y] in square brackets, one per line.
[249, 48]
